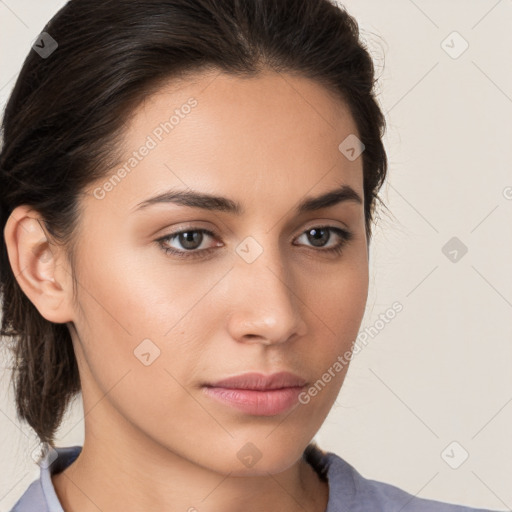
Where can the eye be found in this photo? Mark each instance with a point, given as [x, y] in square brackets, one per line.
[319, 235]
[192, 238]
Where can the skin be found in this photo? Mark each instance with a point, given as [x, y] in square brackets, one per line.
[153, 440]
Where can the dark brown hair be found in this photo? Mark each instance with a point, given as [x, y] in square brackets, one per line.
[64, 120]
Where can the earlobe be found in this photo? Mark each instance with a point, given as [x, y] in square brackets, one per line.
[35, 263]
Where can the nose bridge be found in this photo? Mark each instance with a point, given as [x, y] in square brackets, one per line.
[267, 306]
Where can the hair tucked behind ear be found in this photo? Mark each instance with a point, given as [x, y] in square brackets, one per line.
[65, 116]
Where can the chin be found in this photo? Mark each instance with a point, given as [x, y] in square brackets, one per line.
[261, 458]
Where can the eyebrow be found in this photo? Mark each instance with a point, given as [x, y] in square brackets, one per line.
[194, 199]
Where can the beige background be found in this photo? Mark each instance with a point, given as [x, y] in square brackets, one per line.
[438, 372]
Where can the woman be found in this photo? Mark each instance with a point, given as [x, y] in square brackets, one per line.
[188, 189]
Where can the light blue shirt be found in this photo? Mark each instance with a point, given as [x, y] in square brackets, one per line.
[348, 490]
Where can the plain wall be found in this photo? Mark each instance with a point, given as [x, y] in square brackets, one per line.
[439, 371]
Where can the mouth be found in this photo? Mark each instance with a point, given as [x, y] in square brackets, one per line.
[257, 394]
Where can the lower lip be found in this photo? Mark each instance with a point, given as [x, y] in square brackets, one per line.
[259, 403]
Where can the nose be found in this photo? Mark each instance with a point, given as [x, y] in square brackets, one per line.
[265, 307]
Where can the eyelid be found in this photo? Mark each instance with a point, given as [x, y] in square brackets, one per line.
[326, 223]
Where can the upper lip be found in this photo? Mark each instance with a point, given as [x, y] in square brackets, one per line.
[259, 381]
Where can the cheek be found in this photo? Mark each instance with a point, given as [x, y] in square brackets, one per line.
[138, 292]
[141, 343]
[335, 306]
[144, 315]
[337, 297]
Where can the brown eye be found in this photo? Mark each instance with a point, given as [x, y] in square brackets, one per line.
[189, 239]
[319, 236]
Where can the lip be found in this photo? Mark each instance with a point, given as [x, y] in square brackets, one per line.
[258, 394]
[260, 382]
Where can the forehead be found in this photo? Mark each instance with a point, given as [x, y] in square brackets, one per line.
[249, 138]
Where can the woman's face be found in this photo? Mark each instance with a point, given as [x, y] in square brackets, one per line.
[262, 293]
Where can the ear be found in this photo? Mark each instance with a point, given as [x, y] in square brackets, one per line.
[39, 265]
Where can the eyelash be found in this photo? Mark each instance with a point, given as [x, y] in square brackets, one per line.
[345, 236]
